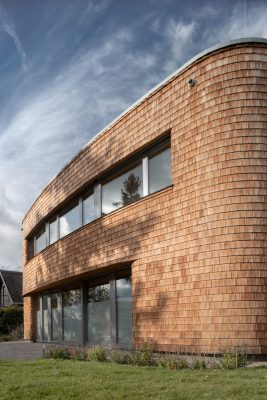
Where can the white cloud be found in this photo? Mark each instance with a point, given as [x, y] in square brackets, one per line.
[7, 25]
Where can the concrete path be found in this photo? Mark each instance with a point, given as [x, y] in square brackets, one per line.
[20, 350]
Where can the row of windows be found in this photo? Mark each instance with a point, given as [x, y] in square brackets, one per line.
[104, 314]
[146, 175]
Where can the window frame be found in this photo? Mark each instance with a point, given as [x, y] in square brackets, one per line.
[141, 158]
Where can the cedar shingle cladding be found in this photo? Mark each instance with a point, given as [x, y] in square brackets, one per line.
[198, 249]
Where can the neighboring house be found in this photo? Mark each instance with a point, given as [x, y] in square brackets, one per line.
[156, 230]
[10, 288]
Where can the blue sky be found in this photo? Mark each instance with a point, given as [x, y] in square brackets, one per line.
[68, 68]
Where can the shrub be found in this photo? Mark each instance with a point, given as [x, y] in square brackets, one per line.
[182, 363]
[231, 360]
[78, 353]
[97, 353]
[169, 362]
[58, 352]
[119, 357]
[10, 318]
[143, 356]
[199, 364]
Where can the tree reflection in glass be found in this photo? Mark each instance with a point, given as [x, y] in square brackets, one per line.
[122, 191]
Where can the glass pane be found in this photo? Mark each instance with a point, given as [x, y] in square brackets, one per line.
[69, 221]
[124, 310]
[72, 315]
[38, 321]
[55, 316]
[40, 242]
[53, 232]
[159, 170]
[122, 191]
[98, 309]
[45, 319]
[88, 209]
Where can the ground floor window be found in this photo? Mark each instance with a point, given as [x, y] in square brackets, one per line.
[98, 312]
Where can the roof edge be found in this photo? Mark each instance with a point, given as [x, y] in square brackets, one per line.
[160, 85]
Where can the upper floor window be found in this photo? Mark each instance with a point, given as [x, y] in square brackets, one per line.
[88, 209]
[141, 175]
[53, 231]
[40, 240]
[69, 221]
[159, 170]
[123, 190]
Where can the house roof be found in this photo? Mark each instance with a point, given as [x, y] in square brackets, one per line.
[13, 283]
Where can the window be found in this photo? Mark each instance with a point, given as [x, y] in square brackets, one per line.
[109, 312]
[123, 190]
[40, 240]
[143, 174]
[124, 311]
[98, 310]
[38, 320]
[88, 209]
[103, 317]
[70, 221]
[72, 315]
[55, 316]
[159, 171]
[53, 231]
[45, 318]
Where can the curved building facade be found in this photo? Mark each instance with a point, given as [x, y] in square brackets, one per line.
[156, 231]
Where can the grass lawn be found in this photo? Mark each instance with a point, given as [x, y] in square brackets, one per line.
[59, 379]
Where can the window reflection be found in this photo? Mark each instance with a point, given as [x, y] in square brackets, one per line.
[98, 308]
[55, 316]
[122, 191]
[53, 231]
[88, 209]
[69, 221]
[45, 319]
[40, 242]
[159, 168]
[72, 315]
[124, 310]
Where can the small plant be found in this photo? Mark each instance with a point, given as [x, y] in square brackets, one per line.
[232, 360]
[169, 362]
[119, 357]
[97, 353]
[58, 353]
[78, 353]
[199, 364]
[182, 363]
[143, 356]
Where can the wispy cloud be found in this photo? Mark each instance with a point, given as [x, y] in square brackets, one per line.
[8, 26]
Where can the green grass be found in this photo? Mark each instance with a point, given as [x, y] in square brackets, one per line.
[68, 379]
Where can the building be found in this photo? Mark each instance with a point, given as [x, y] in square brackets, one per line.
[10, 288]
[156, 230]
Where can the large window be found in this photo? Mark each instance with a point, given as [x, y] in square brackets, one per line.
[123, 190]
[98, 310]
[70, 221]
[142, 175]
[124, 311]
[72, 315]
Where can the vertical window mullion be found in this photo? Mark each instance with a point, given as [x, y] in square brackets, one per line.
[113, 311]
[81, 211]
[49, 318]
[145, 176]
[97, 201]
